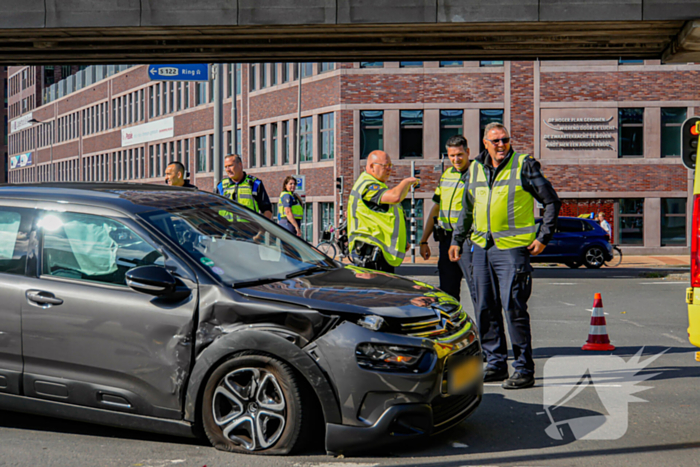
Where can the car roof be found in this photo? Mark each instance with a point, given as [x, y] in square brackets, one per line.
[126, 197]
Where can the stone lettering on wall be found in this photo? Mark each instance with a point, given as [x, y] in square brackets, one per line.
[579, 132]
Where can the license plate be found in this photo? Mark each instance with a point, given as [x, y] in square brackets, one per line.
[462, 373]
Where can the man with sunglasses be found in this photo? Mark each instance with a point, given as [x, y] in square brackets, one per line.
[498, 209]
[376, 221]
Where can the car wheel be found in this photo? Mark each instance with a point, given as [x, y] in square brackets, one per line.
[573, 264]
[253, 404]
[594, 257]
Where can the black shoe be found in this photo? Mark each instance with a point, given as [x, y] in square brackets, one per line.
[519, 381]
[491, 375]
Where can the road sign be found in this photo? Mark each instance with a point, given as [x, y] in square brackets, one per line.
[187, 72]
[301, 183]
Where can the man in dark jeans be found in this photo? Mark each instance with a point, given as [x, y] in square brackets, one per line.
[498, 209]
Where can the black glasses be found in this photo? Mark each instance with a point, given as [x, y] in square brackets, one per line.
[499, 140]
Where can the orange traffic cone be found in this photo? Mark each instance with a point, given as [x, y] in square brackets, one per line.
[598, 336]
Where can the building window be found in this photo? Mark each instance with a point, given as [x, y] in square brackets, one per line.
[624, 61]
[285, 142]
[186, 96]
[327, 215]
[211, 153]
[186, 157]
[486, 117]
[306, 139]
[273, 74]
[263, 145]
[671, 120]
[451, 63]
[252, 157]
[285, 72]
[371, 132]
[307, 223]
[411, 134]
[673, 219]
[307, 69]
[406, 204]
[263, 75]
[201, 153]
[410, 64]
[200, 93]
[631, 229]
[238, 141]
[238, 79]
[491, 63]
[273, 146]
[327, 133]
[451, 124]
[327, 66]
[631, 132]
[253, 76]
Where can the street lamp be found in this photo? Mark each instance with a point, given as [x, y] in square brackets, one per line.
[34, 121]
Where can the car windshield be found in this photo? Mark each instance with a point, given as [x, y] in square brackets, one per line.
[236, 245]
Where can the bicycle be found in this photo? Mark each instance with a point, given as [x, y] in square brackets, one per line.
[617, 257]
[334, 241]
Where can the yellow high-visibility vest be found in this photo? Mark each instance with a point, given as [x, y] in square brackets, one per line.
[505, 210]
[387, 230]
[451, 191]
[244, 193]
[297, 208]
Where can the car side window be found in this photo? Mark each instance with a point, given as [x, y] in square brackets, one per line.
[15, 225]
[92, 248]
[569, 226]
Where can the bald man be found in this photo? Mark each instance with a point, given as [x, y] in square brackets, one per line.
[376, 221]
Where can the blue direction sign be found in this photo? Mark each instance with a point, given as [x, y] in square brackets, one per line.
[188, 72]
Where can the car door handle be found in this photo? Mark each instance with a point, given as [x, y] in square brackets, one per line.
[43, 298]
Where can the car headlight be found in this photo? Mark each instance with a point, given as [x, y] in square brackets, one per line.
[398, 358]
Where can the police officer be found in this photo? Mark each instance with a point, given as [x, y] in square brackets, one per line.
[376, 221]
[498, 207]
[243, 188]
[175, 175]
[290, 211]
[448, 198]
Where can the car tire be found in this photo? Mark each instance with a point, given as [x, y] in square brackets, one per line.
[594, 257]
[573, 264]
[254, 404]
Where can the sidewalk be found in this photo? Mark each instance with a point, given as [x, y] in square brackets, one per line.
[627, 261]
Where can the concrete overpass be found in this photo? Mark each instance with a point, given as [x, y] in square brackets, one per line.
[152, 31]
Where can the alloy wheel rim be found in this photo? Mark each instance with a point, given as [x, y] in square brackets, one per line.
[594, 256]
[249, 407]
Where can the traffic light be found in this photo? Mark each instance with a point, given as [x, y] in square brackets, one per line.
[339, 184]
[689, 141]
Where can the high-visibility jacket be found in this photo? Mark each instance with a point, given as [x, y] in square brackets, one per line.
[505, 209]
[297, 209]
[244, 193]
[387, 230]
[451, 191]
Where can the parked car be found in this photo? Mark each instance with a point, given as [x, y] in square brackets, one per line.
[577, 242]
[169, 309]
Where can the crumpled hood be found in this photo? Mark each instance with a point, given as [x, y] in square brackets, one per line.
[356, 290]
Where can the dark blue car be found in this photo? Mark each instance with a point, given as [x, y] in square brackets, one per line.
[577, 241]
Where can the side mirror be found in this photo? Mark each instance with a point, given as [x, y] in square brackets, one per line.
[152, 280]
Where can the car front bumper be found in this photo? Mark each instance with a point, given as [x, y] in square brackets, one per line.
[382, 407]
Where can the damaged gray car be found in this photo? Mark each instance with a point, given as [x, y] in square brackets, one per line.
[176, 311]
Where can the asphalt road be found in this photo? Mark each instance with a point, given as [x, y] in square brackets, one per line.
[642, 313]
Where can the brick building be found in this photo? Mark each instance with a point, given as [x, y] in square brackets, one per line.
[606, 132]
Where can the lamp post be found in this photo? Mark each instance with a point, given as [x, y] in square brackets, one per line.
[34, 121]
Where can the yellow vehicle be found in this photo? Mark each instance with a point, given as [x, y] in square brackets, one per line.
[690, 152]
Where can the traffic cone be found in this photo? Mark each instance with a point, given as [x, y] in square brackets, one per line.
[598, 336]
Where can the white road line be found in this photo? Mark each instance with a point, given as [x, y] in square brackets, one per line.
[666, 282]
[568, 304]
[633, 323]
[675, 338]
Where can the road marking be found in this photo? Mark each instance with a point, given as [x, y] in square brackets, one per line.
[569, 304]
[666, 282]
[562, 283]
[675, 338]
[633, 323]
[460, 445]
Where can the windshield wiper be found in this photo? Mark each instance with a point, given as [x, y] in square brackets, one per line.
[307, 271]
